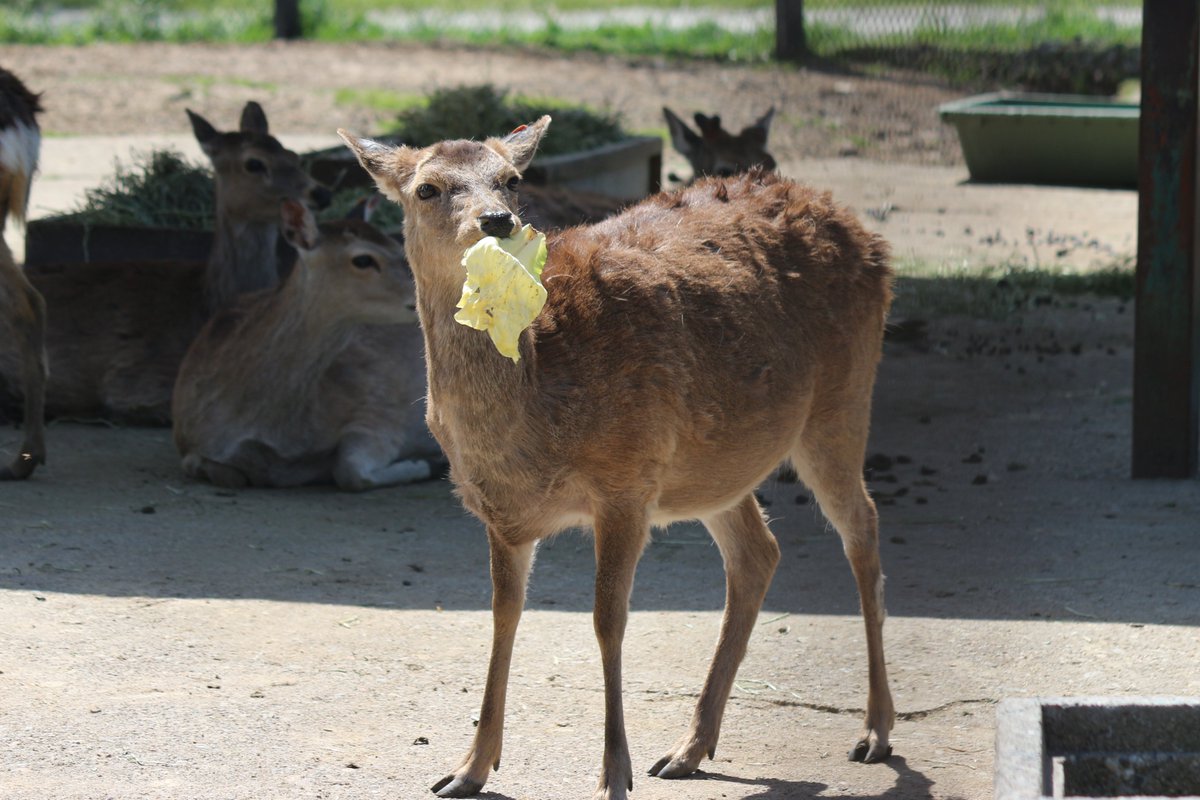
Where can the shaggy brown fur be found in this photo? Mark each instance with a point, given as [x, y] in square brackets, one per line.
[688, 346]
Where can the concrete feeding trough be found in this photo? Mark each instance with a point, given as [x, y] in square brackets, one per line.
[1016, 137]
[1098, 747]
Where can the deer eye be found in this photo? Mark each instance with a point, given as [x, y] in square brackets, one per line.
[365, 262]
[427, 191]
[255, 165]
[513, 183]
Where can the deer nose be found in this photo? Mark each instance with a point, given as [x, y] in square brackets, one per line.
[497, 223]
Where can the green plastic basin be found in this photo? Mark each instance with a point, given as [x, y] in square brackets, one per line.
[1047, 138]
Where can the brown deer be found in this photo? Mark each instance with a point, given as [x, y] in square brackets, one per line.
[715, 151]
[21, 307]
[118, 331]
[687, 347]
[319, 380]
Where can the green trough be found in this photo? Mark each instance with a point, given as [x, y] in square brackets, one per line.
[1076, 140]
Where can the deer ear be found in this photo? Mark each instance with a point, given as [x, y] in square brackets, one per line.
[391, 167]
[761, 127]
[205, 133]
[254, 119]
[521, 145]
[709, 126]
[365, 208]
[684, 138]
[299, 227]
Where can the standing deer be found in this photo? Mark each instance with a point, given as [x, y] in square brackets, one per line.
[715, 151]
[118, 331]
[321, 379]
[686, 348]
[20, 304]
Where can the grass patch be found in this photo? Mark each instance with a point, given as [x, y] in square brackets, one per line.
[1069, 48]
[475, 112]
[704, 41]
[161, 189]
[381, 100]
[998, 292]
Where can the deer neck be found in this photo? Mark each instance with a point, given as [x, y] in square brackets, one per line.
[243, 256]
[468, 379]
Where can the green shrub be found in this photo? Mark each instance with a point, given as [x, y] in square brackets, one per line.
[476, 112]
[160, 189]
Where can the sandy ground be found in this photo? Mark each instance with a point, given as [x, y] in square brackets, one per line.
[164, 639]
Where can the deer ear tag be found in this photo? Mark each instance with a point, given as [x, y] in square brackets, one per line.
[503, 292]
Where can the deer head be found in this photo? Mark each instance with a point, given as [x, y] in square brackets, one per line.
[254, 172]
[715, 151]
[349, 268]
[454, 193]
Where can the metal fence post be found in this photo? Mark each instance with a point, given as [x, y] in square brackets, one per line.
[1166, 380]
[790, 44]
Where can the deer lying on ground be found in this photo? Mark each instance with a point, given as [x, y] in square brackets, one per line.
[20, 304]
[318, 380]
[686, 348]
[118, 331]
[715, 151]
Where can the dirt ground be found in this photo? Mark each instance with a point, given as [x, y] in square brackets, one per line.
[164, 639]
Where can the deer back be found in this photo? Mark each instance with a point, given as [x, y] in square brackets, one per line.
[682, 346]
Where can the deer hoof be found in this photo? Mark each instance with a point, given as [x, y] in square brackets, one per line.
[672, 766]
[870, 752]
[457, 786]
[21, 468]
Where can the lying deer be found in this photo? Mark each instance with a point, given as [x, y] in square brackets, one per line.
[687, 347]
[319, 380]
[715, 151]
[118, 331]
[20, 304]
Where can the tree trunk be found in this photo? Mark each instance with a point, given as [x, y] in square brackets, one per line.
[790, 44]
[287, 19]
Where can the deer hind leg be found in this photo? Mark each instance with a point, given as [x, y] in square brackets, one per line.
[28, 319]
[366, 462]
[751, 555]
[621, 535]
[829, 460]
[510, 575]
[223, 475]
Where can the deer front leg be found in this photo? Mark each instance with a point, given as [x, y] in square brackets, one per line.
[29, 318]
[751, 555]
[510, 575]
[620, 538]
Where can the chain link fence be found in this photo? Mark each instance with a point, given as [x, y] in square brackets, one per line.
[1053, 45]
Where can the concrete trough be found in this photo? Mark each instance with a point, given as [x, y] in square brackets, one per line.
[1098, 747]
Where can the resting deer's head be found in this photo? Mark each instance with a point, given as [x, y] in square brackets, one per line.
[453, 193]
[254, 172]
[354, 271]
[715, 151]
